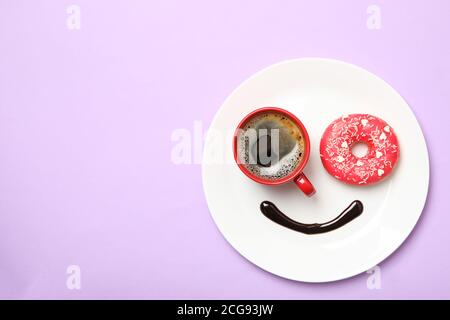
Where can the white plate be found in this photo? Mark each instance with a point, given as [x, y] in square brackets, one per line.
[317, 91]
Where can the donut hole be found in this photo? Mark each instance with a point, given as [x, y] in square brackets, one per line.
[359, 149]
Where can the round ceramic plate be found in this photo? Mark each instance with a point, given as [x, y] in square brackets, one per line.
[317, 91]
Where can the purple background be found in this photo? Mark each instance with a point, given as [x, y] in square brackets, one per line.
[86, 119]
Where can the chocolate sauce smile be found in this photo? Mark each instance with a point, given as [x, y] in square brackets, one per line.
[273, 213]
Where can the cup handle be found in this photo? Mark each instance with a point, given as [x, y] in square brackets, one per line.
[305, 185]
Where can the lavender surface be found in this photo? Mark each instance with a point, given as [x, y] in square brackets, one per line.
[86, 118]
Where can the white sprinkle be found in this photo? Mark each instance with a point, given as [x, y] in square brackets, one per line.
[382, 136]
[364, 122]
[387, 129]
[380, 172]
[340, 158]
[344, 144]
[359, 163]
[378, 154]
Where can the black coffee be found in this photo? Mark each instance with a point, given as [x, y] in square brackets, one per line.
[270, 146]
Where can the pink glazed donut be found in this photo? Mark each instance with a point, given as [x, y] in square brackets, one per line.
[343, 133]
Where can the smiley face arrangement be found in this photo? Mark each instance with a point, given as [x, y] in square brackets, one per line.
[335, 152]
[329, 236]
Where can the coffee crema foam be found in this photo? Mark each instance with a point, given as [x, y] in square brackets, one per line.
[263, 133]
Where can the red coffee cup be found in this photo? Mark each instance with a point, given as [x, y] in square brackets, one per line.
[297, 175]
